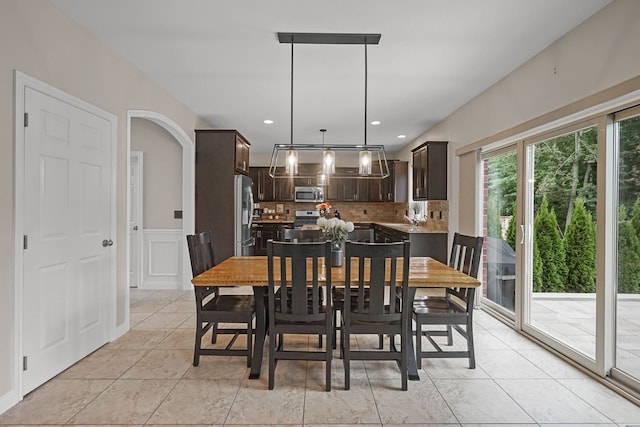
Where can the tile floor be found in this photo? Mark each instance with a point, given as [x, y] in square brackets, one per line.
[146, 378]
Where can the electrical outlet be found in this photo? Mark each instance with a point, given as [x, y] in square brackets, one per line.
[365, 211]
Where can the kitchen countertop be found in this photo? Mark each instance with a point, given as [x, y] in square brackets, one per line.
[273, 221]
[398, 226]
[408, 228]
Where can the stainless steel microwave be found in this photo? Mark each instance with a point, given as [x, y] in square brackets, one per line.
[309, 194]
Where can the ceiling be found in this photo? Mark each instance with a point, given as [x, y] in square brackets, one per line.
[222, 59]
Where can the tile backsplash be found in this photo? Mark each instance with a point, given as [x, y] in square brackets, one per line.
[436, 212]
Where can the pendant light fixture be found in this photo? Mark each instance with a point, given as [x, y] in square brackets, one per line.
[364, 158]
[368, 155]
[323, 174]
[291, 165]
[328, 158]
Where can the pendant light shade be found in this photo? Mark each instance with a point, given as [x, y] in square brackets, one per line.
[364, 164]
[291, 165]
[328, 158]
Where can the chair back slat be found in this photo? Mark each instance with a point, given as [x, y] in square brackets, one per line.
[299, 296]
[376, 262]
[200, 252]
[465, 254]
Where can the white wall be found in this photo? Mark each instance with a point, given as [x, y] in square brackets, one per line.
[596, 55]
[162, 174]
[38, 40]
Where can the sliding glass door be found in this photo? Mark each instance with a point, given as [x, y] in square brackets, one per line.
[560, 219]
[499, 170]
[627, 301]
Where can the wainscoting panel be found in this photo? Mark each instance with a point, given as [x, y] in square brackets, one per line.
[163, 251]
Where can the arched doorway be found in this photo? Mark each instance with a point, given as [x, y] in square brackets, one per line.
[188, 183]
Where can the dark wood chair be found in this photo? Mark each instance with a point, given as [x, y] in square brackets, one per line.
[372, 314]
[214, 308]
[293, 311]
[454, 310]
[357, 235]
[299, 235]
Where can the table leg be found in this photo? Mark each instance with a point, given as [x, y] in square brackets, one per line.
[412, 366]
[259, 293]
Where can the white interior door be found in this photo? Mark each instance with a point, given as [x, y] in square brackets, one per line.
[135, 219]
[68, 253]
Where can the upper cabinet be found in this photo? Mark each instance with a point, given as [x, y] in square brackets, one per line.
[393, 188]
[263, 184]
[430, 171]
[242, 154]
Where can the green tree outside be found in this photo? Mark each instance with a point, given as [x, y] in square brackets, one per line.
[628, 254]
[580, 250]
[550, 249]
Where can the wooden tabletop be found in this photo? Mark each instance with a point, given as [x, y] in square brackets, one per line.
[424, 272]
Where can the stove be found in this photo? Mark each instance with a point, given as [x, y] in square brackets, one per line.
[305, 218]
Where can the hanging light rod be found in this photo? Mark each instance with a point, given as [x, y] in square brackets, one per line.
[329, 38]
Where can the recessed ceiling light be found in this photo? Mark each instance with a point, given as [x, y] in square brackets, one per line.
[375, 122]
[268, 122]
[402, 136]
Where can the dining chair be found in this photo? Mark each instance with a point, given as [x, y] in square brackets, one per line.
[453, 310]
[380, 311]
[296, 267]
[214, 309]
[357, 235]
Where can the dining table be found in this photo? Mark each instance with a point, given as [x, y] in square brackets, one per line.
[424, 272]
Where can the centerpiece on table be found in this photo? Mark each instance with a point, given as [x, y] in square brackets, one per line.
[336, 231]
[324, 208]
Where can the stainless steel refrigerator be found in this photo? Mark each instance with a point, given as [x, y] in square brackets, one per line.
[244, 241]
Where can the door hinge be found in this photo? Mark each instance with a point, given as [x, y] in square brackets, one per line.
[25, 241]
[26, 119]
[24, 363]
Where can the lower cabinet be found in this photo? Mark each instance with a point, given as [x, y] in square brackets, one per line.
[262, 233]
[433, 245]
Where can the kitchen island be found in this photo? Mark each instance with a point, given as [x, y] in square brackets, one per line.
[425, 242]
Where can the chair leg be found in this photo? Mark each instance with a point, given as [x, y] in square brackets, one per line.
[404, 360]
[418, 343]
[249, 342]
[381, 341]
[470, 346]
[346, 358]
[214, 333]
[328, 357]
[449, 335]
[272, 361]
[196, 348]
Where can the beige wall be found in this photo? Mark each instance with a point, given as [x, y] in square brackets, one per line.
[598, 54]
[38, 40]
[162, 174]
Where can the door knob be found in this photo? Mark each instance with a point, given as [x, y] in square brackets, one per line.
[135, 228]
[106, 242]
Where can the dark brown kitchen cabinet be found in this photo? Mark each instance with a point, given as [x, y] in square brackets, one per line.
[263, 184]
[430, 171]
[262, 233]
[216, 165]
[393, 188]
[242, 154]
[348, 189]
[284, 189]
[433, 245]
